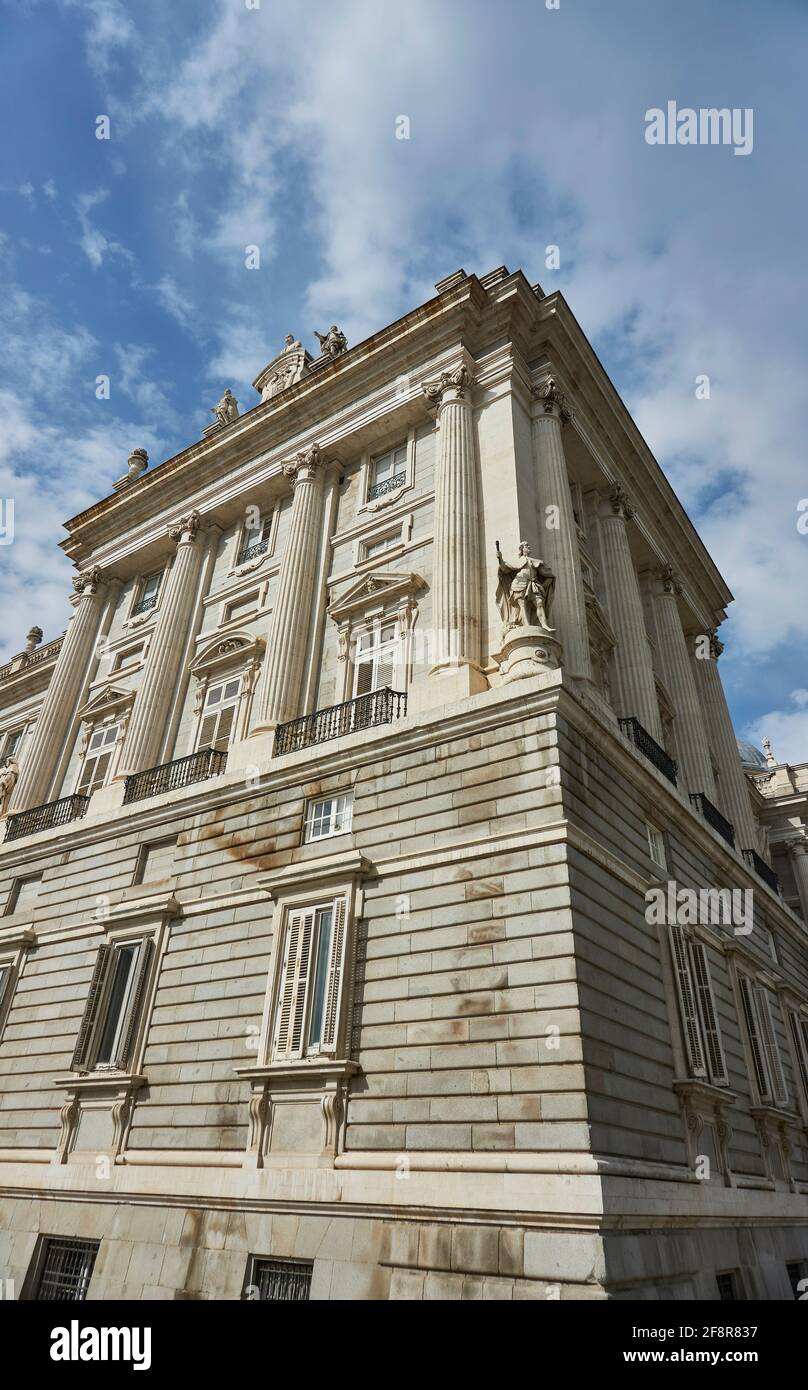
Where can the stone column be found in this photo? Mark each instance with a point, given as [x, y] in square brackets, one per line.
[634, 683]
[689, 727]
[798, 853]
[64, 694]
[291, 619]
[163, 669]
[559, 545]
[733, 792]
[456, 598]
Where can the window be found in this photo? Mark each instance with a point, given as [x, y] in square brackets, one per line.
[772, 945]
[10, 743]
[6, 985]
[155, 861]
[219, 715]
[701, 1034]
[128, 658]
[97, 759]
[656, 845]
[147, 595]
[242, 608]
[727, 1286]
[375, 658]
[795, 1269]
[799, 1034]
[378, 547]
[330, 816]
[255, 539]
[109, 1026]
[66, 1267]
[286, 1280]
[760, 1030]
[307, 1008]
[388, 472]
[23, 893]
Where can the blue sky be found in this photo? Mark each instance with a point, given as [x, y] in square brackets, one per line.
[275, 126]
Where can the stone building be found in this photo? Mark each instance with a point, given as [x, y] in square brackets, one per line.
[387, 910]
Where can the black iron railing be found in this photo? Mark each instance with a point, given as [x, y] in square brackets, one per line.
[145, 605]
[365, 712]
[649, 747]
[713, 817]
[45, 817]
[182, 772]
[260, 548]
[762, 869]
[388, 485]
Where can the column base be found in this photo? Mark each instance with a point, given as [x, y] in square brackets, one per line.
[526, 651]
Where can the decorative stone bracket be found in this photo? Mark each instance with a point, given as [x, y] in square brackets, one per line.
[96, 1116]
[704, 1111]
[773, 1126]
[296, 1108]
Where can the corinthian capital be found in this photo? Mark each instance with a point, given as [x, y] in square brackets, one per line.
[620, 503]
[670, 584]
[458, 381]
[305, 465]
[553, 400]
[186, 528]
[88, 581]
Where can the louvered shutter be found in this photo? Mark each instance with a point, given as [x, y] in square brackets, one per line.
[335, 973]
[716, 1064]
[384, 673]
[135, 1006]
[98, 983]
[93, 774]
[364, 677]
[798, 1032]
[207, 733]
[223, 732]
[267, 527]
[294, 985]
[687, 1003]
[755, 1044]
[771, 1045]
[5, 985]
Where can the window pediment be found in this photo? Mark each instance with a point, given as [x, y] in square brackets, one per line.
[111, 700]
[380, 587]
[236, 647]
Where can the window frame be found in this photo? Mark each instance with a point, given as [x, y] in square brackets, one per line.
[300, 1269]
[133, 1009]
[234, 703]
[139, 596]
[761, 1038]
[292, 1014]
[374, 628]
[94, 731]
[700, 1026]
[653, 830]
[13, 898]
[32, 1287]
[367, 467]
[336, 811]
[266, 533]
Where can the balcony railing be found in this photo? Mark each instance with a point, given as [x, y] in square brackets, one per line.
[44, 817]
[260, 548]
[713, 817]
[649, 747]
[144, 606]
[182, 772]
[762, 869]
[387, 485]
[365, 712]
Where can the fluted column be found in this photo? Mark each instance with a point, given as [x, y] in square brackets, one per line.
[798, 853]
[559, 545]
[634, 683]
[692, 742]
[733, 792]
[64, 694]
[456, 574]
[163, 669]
[291, 618]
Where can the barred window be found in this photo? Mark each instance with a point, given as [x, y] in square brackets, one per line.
[66, 1269]
[283, 1280]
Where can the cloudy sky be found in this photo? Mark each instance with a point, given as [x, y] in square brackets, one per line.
[259, 122]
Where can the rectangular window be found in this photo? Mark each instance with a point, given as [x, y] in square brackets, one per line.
[332, 815]
[6, 986]
[242, 608]
[378, 547]
[656, 845]
[155, 861]
[129, 658]
[763, 1045]
[255, 539]
[10, 743]
[148, 592]
[772, 944]
[799, 1034]
[700, 1029]
[114, 1004]
[388, 472]
[286, 1281]
[23, 895]
[727, 1283]
[219, 716]
[66, 1269]
[97, 759]
[307, 1010]
[795, 1269]
[375, 658]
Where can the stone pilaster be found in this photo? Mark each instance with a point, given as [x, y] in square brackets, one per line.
[291, 619]
[65, 692]
[733, 792]
[559, 544]
[456, 597]
[634, 691]
[798, 853]
[689, 728]
[163, 670]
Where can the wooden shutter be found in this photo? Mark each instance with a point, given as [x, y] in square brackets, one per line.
[716, 1064]
[753, 1033]
[93, 773]
[386, 667]
[687, 1003]
[771, 1045]
[135, 1007]
[6, 973]
[798, 1032]
[207, 732]
[226, 717]
[103, 965]
[364, 677]
[335, 973]
[294, 984]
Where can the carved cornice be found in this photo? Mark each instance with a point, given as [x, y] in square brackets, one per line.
[459, 381]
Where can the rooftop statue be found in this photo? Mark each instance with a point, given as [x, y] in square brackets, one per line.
[227, 409]
[333, 342]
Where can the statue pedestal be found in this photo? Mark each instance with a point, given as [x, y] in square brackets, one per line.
[526, 650]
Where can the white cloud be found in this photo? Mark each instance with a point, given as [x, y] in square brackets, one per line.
[94, 243]
[787, 729]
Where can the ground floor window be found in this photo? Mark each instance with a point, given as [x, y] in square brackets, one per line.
[65, 1270]
[287, 1281]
